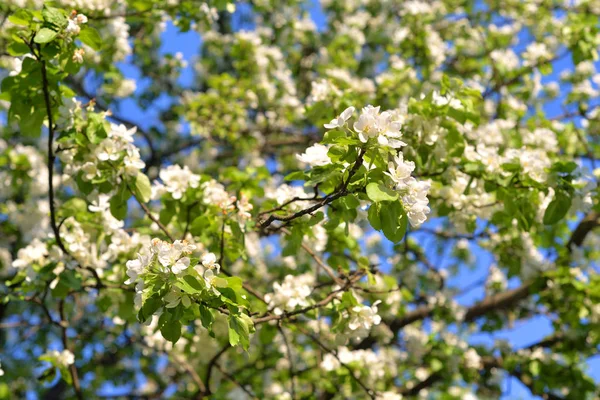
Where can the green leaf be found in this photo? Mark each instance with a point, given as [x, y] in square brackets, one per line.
[436, 365]
[167, 213]
[61, 290]
[142, 188]
[379, 192]
[534, 368]
[207, 317]
[171, 331]
[104, 303]
[149, 307]
[456, 142]
[98, 128]
[90, 36]
[118, 208]
[337, 153]
[349, 300]
[331, 137]
[65, 374]
[190, 284]
[458, 115]
[71, 280]
[294, 240]
[18, 49]
[73, 207]
[511, 167]
[31, 125]
[565, 167]
[199, 225]
[234, 282]
[45, 35]
[55, 17]
[557, 208]
[21, 17]
[239, 330]
[295, 176]
[373, 216]
[83, 185]
[393, 221]
[234, 336]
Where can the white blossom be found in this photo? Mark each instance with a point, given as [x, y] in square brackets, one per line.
[315, 156]
[340, 121]
[362, 318]
[293, 292]
[177, 180]
[61, 358]
[385, 127]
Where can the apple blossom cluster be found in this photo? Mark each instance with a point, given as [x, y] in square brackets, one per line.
[467, 196]
[315, 156]
[270, 82]
[97, 160]
[413, 193]
[290, 294]
[171, 257]
[444, 299]
[534, 162]
[416, 340]
[30, 216]
[472, 359]
[361, 318]
[385, 128]
[163, 259]
[214, 193]
[118, 29]
[176, 181]
[62, 358]
[32, 219]
[373, 366]
[31, 257]
[75, 21]
[531, 259]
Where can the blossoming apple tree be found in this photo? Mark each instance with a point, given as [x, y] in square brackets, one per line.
[337, 201]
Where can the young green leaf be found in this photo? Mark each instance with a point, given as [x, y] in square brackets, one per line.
[142, 188]
[171, 331]
[45, 35]
[393, 221]
[90, 36]
[557, 208]
[379, 192]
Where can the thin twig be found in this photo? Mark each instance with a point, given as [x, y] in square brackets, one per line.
[288, 314]
[290, 359]
[341, 192]
[318, 260]
[211, 365]
[192, 372]
[370, 392]
[232, 379]
[222, 243]
[149, 214]
[65, 342]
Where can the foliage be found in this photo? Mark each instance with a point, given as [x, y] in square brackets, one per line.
[290, 222]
